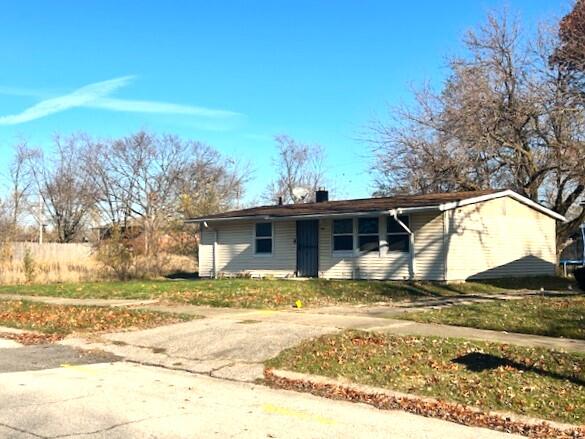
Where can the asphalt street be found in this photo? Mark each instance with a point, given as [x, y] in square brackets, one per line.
[47, 357]
[194, 379]
[126, 400]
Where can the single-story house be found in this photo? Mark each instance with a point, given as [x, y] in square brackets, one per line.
[441, 237]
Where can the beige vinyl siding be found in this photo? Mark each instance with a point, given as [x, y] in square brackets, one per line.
[205, 253]
[428, 245]
[496, 238]
[428, 235]
[330, 266]
[499, 238]
[235, 249]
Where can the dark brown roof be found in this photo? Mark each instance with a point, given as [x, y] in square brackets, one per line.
[348, 206]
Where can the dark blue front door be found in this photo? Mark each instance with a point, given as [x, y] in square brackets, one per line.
[308, 248]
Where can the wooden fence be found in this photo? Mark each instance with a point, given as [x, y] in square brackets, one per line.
[51, 251]
[53, 262]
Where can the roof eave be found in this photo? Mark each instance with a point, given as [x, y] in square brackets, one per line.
[507, 193]
[398, 210]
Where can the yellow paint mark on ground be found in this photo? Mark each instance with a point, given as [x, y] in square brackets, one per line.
[267, 312]
[269, 408]
[77, 368]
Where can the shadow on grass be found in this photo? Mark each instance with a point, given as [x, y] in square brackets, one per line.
[480, 362]
[183, 275]
[530, 283]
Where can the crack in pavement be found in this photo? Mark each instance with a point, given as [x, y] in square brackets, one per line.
[111, 427]
[47, 402]
[230, 364]
[20, 430]
[88, 433]
[182, 369]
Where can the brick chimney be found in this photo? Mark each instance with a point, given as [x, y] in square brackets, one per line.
[321, 195]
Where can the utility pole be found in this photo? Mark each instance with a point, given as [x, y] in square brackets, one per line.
[40, 219]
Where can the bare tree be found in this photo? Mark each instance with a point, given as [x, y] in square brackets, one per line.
[505, 118]
[210, 182]
[20, 182]
[158, 180]
[570, 52]
[299, 165]
[66, 190]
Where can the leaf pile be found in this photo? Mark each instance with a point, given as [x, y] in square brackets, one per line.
[493, 376]
[550, 316]
[65, 319]
[32, 338]
[430, 408]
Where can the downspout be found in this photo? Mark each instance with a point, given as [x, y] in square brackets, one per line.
[583, 243]
[411, 256]
[215, 253]
[214, 250]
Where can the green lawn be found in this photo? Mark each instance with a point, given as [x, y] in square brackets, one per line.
[534, 382]
[63, 319]
[267, 293]
[551, 316]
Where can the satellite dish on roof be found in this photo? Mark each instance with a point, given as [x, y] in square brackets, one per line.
[300, 193]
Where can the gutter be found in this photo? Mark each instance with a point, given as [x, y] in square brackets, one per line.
[404, 210]
[400, 211]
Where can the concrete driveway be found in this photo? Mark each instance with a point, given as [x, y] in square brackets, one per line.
[233, 344]
[229, 344]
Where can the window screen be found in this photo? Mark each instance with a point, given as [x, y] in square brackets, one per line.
[263, 238]
[368, 234]
[398, 238]
[343, 235]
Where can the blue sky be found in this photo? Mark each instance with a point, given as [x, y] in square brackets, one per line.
[229, 73]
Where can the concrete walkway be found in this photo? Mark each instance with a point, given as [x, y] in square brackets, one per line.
[233, 344]
[374, 319]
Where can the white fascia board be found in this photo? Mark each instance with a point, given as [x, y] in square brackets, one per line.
[507, 193]
[288, 218]
[399, 211]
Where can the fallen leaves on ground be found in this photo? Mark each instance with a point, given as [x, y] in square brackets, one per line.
[65, 319]
[32, 338]
[491, 376]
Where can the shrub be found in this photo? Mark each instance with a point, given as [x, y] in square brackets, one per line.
[117, 255]
[29, 267]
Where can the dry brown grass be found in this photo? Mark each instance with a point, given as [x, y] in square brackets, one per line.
[52, 263]
[71, 263]
[52, 272]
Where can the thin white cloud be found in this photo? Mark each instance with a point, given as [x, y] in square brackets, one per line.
[78, 98]
[137, 106]
[96, 95]
[17, 91]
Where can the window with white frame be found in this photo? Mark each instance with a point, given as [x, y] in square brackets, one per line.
[397, 238]
[263, 239]
[343, 235]
[368, 235]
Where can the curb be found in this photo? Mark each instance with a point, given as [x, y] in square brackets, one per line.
[390, 400]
